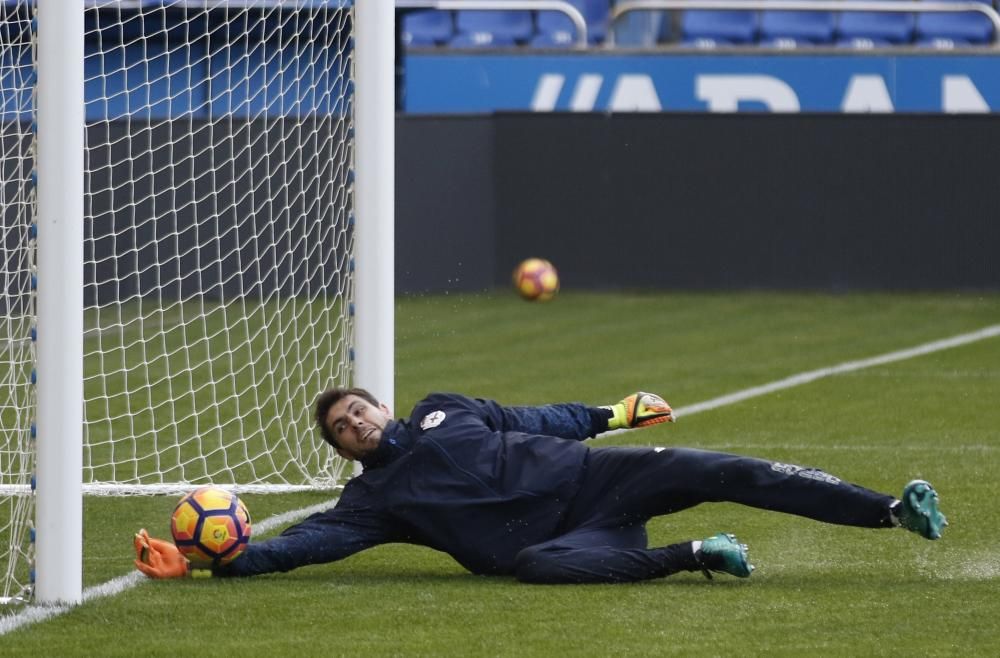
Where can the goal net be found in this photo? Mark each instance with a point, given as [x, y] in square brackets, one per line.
[218, 239]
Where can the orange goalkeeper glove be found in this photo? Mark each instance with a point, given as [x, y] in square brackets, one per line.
[157, 558]
[639, 410]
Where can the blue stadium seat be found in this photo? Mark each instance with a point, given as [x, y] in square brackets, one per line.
[482, 28]
[718, 27]
[427, 27]
[953, 29]
[797, 28]
[556, 29]
[879, 28]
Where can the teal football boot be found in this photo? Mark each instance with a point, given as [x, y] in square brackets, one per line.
[724, 554]
[919, 510]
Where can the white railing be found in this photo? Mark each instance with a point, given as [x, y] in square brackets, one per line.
[897, 6]
[579, 22]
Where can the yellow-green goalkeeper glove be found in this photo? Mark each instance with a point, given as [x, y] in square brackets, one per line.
[639, 410]
[157, 558]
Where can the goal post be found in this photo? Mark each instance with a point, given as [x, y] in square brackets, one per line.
[59, 146]
[375, 197]
[233, 232]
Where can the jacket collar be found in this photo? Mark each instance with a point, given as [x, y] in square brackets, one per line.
[396, 441]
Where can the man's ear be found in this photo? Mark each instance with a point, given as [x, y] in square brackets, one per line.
[386, 410]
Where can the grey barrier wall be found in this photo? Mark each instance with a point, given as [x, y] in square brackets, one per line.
[825, 202]
[445, 205]
[702, 201]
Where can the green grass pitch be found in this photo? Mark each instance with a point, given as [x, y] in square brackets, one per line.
[818, 589]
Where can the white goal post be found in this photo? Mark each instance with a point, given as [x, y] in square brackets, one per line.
[59, 189]
[197, 201]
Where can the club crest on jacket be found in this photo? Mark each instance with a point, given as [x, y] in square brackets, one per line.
[433, 419]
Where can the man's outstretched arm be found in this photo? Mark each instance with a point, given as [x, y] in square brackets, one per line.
[324, 537]
[578, 421]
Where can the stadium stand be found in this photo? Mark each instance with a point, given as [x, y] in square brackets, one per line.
[707, 28]
[860, 28]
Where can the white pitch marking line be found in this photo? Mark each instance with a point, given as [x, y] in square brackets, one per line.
[122, 583]
[867, 447]
[849, 366]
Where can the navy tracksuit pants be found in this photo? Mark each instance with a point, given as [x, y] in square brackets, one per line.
[605, 529]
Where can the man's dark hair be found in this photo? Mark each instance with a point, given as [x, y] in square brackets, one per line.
[330, 397]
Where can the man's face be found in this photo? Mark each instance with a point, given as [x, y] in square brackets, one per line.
[357, 426]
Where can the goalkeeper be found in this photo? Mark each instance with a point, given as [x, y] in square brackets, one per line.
[515, 491]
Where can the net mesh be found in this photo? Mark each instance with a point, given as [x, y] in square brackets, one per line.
[217, 253]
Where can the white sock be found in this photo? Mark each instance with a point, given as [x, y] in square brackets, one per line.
[894, 509]
[696, 546]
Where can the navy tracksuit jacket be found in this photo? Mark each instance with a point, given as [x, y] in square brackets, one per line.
[513, 490]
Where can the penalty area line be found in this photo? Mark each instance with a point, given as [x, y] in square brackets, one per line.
[115, 586]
